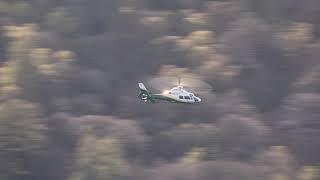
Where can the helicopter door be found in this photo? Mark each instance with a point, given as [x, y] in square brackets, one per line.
[187, 98]
[191, 97]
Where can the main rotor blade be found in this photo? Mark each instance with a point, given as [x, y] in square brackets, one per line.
[189, 83]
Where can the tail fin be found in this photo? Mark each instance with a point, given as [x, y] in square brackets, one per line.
[142, 87]
[144, 94]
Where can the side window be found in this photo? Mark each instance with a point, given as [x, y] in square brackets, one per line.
[180, 97]
[191, 96]
[187, 97]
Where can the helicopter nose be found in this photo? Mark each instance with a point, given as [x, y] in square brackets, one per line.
[197, 99]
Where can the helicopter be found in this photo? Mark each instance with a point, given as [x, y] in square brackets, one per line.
[177, 94]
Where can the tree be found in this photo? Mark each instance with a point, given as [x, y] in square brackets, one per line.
[242, 137]
[277, 162]
[309, 173]
[22, 137]
[186, 138]
[20, 62]
[99, 159]
[299, 125]
[126, 132]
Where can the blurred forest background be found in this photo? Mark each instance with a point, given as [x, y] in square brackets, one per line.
[68, 90]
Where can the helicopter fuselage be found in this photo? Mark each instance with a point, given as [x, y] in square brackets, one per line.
[176, 95]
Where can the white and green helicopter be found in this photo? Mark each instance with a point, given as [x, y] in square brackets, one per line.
[176, 94]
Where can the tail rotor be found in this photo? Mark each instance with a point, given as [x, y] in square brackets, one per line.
[144, 94]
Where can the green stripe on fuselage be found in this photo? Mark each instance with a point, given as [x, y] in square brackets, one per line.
[165, 98]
